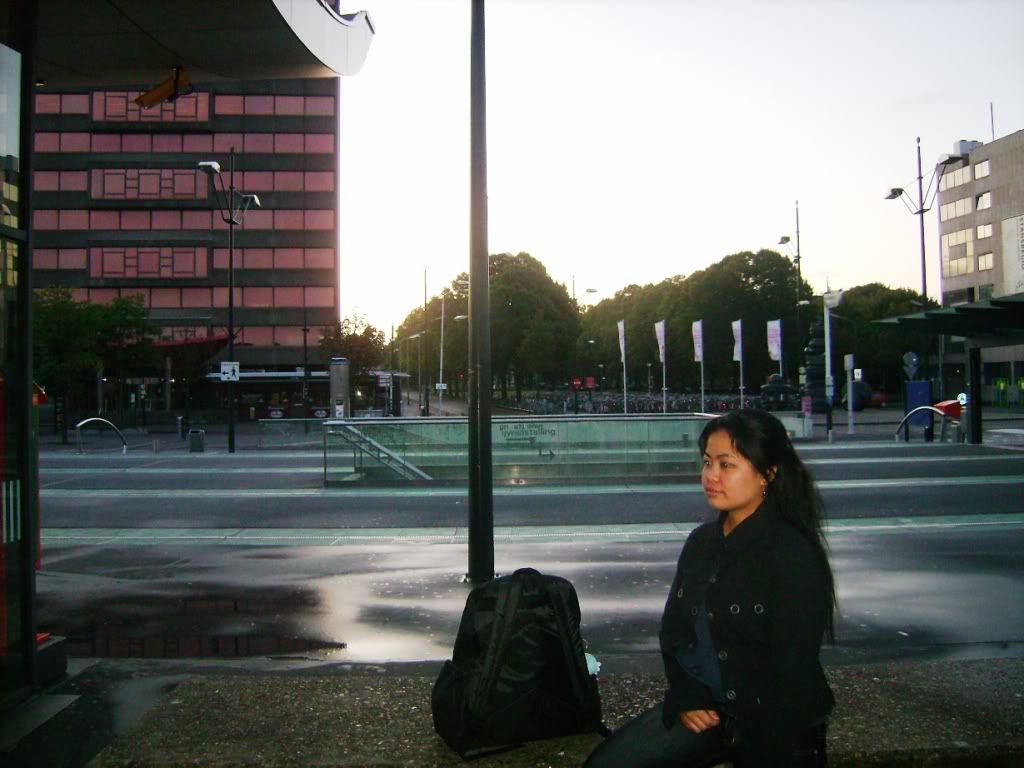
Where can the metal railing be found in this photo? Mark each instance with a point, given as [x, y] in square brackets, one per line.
[78, 431]
[947, 420]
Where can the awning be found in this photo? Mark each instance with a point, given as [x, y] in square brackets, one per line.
[988, 323]
[108, 42]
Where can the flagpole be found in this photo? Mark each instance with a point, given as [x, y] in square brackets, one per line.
[702, 408]
[621, 325]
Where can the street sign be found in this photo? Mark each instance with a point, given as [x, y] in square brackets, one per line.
[858, 374]
[441, 386]
[229, 371]
[577, 382]
[910, 363]
[962, 398]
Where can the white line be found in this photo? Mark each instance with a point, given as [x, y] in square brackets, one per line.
[666, 532]
[456, 492]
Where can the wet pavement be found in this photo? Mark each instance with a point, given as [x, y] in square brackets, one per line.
[308, 630]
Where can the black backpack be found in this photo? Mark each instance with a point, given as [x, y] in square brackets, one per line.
[518, 671]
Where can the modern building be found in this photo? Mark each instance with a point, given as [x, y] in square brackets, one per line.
[122, 209]
[90, 51]
[981, 233]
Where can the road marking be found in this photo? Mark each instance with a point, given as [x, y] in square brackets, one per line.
[461, 492]
[319, 470]
[459, 535]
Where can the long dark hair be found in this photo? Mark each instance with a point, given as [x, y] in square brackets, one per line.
[761, 438]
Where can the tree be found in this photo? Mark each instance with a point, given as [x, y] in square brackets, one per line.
[125, 340]
[878, 350]
[356, 340]
[64, 345]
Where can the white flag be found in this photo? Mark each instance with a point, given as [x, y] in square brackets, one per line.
[659, 331]
[737, 340]
[622, 341]
[698, 341]
[775, 339]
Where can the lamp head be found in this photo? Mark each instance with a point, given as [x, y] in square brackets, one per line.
[251, 201]
[210, 167]
[460, 317]
[894, 193]
[784, 240]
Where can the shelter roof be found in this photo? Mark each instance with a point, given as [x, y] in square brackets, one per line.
[108, 42]
[991, 322]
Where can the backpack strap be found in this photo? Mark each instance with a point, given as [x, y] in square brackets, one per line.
[509, 591]
[572, 648]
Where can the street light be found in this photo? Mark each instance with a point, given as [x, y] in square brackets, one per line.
[898, 193]
[419, 365]
[233, 205]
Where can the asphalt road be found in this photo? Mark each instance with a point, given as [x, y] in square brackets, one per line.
[248, 555]
[277, 489]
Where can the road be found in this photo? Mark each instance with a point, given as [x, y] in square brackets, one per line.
[218, 555]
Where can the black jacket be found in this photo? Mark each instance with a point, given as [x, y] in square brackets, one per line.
[767, 595]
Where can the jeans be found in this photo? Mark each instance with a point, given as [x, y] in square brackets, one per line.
[645, 742]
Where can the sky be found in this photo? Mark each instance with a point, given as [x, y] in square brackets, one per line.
[632, 141]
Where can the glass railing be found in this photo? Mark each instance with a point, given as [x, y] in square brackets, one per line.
[526, 450]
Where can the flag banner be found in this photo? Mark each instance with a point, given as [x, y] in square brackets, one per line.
[698, 341]
[737, 340]
[622, 341]
[659, 331]
[775, 339]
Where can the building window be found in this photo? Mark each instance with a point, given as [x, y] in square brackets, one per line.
[985, 291]
[983, 201]
[984, 262]
[984, 230]
[955, 178]
[981, 170]
[120, 106]
[952, 210]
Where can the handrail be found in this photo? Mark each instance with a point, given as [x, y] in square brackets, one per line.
[933, 409]
[381, 453]
[78, 430]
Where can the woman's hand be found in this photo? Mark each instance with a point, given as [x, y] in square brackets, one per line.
[699, 720]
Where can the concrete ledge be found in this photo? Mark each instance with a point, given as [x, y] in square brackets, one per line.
[904, 714]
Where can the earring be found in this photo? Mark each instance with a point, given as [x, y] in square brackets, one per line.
[764, 491]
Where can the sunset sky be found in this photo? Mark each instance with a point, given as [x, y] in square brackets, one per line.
[632, 141]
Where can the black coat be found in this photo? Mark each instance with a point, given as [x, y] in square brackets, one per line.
[767, 594]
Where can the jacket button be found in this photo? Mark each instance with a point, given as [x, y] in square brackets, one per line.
[758, 608]
[713, 578]
[679, 593]
[693, 611]
[711, 616]
[730, 695]
[734, 608]
[723, 655]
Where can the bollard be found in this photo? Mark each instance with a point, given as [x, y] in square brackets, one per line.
[156, 445]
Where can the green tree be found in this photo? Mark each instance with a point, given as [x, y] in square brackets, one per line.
[877, 349]
[64, 345]
[125, 341]
[354, 339]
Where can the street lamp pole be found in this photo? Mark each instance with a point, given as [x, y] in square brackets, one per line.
[784, 240]
[233, 206]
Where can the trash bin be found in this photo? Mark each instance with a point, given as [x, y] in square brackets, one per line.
[196, 440]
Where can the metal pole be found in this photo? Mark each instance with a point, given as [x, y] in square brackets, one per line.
[799, 293]
[231, 297]
[924, 262]
[625, 395]
[664, 389]
[481, 480]
[440, 367]
[305, 365]
[425, 386]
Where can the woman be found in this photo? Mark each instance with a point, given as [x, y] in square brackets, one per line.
[752, 598]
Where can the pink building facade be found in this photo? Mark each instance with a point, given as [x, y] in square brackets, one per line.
[121, 209]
